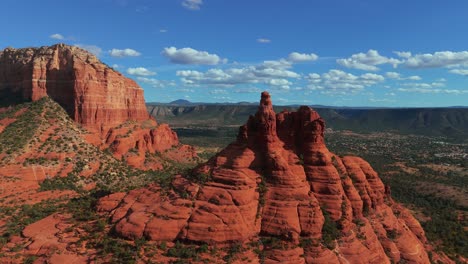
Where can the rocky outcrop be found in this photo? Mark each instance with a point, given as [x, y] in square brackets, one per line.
[92, 93]
[101, 99]
[279, 183]
[133, 141]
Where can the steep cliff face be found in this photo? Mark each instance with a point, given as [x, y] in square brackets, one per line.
[106, 103]
[278, 183]
[92, 93]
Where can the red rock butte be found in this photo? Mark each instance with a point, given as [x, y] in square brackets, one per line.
[278, 181]
[109, 105]
[92, 93]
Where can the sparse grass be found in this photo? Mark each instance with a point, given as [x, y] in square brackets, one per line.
[200, 178]
[27, 214]
[61, 183]
[233, 251]
[19, 133]
[12, 110]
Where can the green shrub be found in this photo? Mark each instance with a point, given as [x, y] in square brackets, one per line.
[61, 183]
[330, 231]
[182, 251]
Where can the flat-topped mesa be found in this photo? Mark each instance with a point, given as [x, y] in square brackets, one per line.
[277, 182]
[92, 93]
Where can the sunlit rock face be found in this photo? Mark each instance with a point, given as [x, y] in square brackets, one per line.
[92, 93]
[278, 180]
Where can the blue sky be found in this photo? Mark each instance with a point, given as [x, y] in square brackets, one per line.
[330, 52]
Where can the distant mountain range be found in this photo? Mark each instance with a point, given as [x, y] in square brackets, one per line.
[451, 122]
[183, 102]
[180, 102]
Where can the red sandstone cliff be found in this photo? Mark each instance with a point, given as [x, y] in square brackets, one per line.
[92, 93]
[101, 99]
[277, 181]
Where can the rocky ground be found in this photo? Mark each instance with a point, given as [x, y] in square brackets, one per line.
[49, 166]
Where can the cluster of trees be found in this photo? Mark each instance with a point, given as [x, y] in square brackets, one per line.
[444, 226]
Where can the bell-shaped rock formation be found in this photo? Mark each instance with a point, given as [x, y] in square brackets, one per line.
[278, 184]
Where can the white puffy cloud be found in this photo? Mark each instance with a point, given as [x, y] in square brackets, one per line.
[274, 73]
[302, 57]
[424, 85]
[192, 4]
[191, 56]
[155, 82]
[367, 61]
[119, 53]
[403, 54]
[276, 64]
[413, 78]
[393, 75]
[463, 72]
[282, 83]
[313, 76]
[429, 88]
[253, 90]
[263, 40]
[273, 69]
[371, 78]
[438, 59]
[57, 36]
[433, 91]
[340, 82]
[370, 60]
[140, 71]
[184, 90]
[91, 48]
[397, 76]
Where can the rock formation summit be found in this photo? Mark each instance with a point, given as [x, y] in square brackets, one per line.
[92, 93]
[279, 192]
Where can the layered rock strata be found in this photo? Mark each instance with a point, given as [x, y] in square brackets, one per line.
[278, 182]
[106, 103]
[93, 94]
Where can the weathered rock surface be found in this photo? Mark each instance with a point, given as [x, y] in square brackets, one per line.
[101, 99]
[92, 93]
[132, 141]
[278, 180]
[46, 157]
[49, 236]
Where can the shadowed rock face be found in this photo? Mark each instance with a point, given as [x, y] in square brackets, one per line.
[278, 180]
[92, 93]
